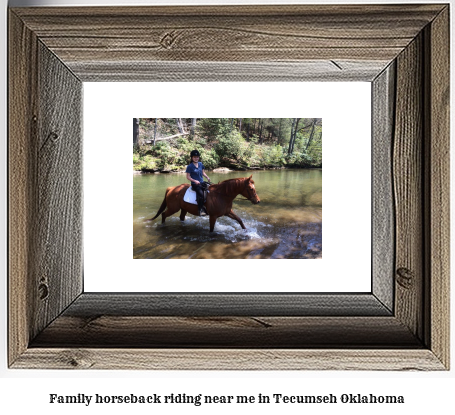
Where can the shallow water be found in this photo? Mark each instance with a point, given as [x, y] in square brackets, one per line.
[286, 224]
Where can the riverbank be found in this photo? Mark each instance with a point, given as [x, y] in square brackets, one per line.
[221, 170]
[232, 152]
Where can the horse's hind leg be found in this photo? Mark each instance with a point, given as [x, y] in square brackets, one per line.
[212, 223]
[232, 215]
[182, 214]
[168, 212]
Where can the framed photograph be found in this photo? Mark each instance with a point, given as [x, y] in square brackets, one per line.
[400, 323]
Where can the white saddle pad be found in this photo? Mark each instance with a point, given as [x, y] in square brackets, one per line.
[190, 196]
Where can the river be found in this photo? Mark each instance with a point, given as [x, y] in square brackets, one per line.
[286, 224]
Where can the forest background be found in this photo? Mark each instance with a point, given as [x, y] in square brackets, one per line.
[164, 144]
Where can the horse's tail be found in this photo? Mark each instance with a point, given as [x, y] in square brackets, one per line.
[162, 207]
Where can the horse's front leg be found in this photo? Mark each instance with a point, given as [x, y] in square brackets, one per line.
[182, 214]
[212, 222]
[232, 215]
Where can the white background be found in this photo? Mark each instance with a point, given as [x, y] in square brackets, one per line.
[108, 236]
[27, 391]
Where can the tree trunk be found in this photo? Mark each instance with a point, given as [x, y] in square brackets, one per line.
[311, 134]
[193, 127]
[279, 131]
[180, 125]
[261, 125]
[240, 125]
[292, 136]
[154, 132]
[295, 133]
[135, 131]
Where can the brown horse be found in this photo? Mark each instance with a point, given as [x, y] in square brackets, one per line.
[219, 200]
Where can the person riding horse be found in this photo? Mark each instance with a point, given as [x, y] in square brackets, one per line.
[194, 173]
[219, 200]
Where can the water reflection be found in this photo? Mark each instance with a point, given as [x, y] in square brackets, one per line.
[287, 223]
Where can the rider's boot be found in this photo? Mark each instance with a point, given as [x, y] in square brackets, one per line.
[202, 211]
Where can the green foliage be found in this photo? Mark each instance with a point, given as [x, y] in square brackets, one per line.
[144, 150]
[273, 156]
[212, 128]
[315, 154]
[302, 159]
[248, 156]
[158, 157]
[254, 160]
[184, 148]
[150, 163]
[231, 146]
[209, 158]
[146, 162]
[201, 142]
[222, 142]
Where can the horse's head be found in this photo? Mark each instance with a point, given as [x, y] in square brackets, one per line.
[250, 191]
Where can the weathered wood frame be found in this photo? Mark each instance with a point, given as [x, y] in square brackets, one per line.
[403, 50]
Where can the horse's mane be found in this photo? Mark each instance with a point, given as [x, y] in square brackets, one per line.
[230, 185]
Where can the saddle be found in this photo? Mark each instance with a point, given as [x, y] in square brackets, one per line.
[190, 194]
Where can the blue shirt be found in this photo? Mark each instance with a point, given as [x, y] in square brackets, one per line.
[196, 172]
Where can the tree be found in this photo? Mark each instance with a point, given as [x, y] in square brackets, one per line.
[279, 130]
[154, 132]
[247, 122]
[295, 134]
[211, 128]
[180, 125]
[313, 124]
[193, 127]
[261, 125]
[135, 131]
[294, 121]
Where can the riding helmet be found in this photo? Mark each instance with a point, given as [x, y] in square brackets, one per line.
[195, 153]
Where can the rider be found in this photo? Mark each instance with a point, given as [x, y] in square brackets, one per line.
[194, 173]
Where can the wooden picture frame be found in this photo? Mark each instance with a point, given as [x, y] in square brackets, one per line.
[403, 324]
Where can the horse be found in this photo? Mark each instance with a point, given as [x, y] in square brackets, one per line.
[219, 200]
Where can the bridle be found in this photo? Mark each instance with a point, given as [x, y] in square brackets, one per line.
[248, 191]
